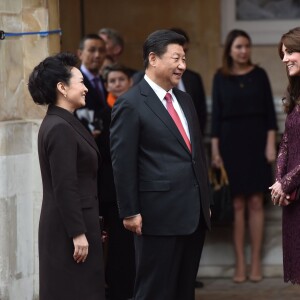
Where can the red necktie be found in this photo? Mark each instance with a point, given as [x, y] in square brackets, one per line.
[176, 120]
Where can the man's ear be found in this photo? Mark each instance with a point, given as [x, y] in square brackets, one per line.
[79, 52]
[130, 82]
[117, 50]
[152, 59]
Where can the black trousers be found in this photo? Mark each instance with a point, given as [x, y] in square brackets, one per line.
[120, 260]
[167, 266]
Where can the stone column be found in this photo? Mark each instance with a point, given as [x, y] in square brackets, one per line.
[20, 182]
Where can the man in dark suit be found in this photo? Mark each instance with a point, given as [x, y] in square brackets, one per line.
[95, 115]
[190, 82]
[92, 53]
[161, 174]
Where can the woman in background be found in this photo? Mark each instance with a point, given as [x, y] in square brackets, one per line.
[288, 161]
[70, 249]
[243, 139]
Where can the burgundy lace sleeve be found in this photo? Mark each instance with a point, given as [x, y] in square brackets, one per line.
[282, 158]
[288, 162]
[291, 180]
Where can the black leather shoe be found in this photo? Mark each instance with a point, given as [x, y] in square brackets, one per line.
[199, 284]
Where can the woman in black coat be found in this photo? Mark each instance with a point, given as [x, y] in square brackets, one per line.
[70, 250]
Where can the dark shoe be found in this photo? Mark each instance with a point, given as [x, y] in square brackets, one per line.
[199, 284]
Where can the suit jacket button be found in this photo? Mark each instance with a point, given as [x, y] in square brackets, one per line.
[194, 162]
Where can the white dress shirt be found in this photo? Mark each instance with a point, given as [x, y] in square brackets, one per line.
[161, 93]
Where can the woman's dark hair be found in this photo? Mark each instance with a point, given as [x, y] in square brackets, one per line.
[43, 80]
[158, 41]
[291, 41]
[115, 67]
[227, 61]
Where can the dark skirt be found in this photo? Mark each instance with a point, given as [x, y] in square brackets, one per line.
[242, 146]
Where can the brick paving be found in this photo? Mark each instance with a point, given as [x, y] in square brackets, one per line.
[268, 288]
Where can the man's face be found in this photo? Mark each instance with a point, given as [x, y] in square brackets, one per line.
[92, 55]
[169, 67]
[112, 49]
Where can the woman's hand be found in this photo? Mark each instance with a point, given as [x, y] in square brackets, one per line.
[278, 196]
[81, 247]
[217, 161]
[270, 153]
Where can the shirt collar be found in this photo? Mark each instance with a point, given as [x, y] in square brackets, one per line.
[159, 91]
[87, 73]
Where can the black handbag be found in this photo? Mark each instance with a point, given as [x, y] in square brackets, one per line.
[222, 209]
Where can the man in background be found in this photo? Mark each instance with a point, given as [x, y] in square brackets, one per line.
[91, 53]
[114, 44]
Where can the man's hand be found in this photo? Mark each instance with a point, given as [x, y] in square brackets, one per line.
[134, 224]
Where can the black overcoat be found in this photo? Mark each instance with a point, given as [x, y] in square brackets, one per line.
[69, 162]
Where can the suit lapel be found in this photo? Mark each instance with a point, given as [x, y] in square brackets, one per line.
[74, 122]
[160, 111]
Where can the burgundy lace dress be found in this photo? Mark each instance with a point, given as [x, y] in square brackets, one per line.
[288, 174]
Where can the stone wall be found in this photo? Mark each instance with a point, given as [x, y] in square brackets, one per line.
[20, 180]
[20, 200]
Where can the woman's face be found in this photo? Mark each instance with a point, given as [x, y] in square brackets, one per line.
[291, 60]
[240, 50]
[75, 90]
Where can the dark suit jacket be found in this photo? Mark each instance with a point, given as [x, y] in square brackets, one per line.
[92, 99]
[194, 87]
[69, 163]
[155, 174]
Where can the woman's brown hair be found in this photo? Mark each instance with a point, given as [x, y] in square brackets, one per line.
[291, 40]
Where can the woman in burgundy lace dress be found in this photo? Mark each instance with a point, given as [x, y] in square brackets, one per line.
[288, 161]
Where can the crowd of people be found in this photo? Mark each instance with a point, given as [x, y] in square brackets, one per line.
[126, 193]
